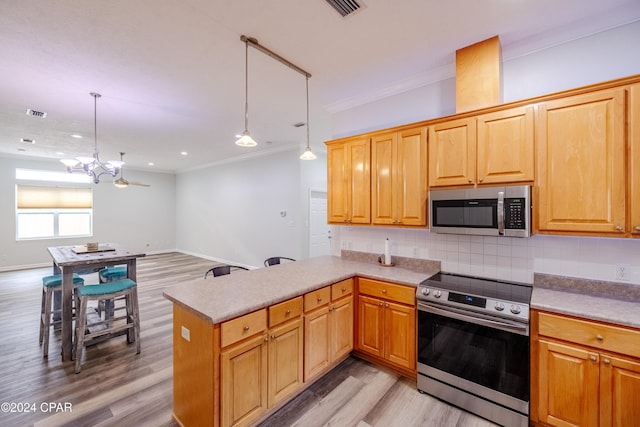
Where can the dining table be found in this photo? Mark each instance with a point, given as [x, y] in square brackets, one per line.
[68, 260]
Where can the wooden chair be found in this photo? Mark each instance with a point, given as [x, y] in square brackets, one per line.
[221, 270]
[51, 284]
[87, 333]
[276, 260]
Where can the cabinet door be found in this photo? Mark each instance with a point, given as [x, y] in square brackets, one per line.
[619, 392]
[411, 183]
[568, 385]
[581, 160]
[400, 335]
[285, 360]
[634, 167]
[505, 146]
[452, 153]
[383, 177]
[371, 326]
[360, 186]
[341, 328]
[317, 347]
[338, 183]
[243, 371]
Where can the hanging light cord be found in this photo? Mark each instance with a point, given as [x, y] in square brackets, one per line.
[246, 86]
[307, 80]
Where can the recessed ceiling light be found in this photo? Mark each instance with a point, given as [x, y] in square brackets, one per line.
[59, 153]
[75, 135]
[28, 141]
[150, 163]
[184, 153]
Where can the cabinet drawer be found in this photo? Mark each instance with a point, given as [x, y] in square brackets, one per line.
[284, 311]
[593, 334]
[398, 293]
[317, 298]
[243, 327]
[341, 289]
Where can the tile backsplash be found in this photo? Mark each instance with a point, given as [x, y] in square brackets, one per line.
[504, 258]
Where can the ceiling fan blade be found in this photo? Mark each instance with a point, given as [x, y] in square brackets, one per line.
[139, 184]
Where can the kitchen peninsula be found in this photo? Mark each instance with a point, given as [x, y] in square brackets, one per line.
[246, 320]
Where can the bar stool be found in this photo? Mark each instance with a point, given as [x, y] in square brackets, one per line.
[106, 275]
[87, 332]
[51, 284]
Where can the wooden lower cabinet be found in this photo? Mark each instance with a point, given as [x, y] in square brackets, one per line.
[387, 323]
[580, 378]
[328, 327]
[243, 374]
[259, 372]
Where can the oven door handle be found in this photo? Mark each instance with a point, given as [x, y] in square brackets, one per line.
[505, 325]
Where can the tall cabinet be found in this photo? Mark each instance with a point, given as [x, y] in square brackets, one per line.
[399, 177]
[349, 181]
[581, 163]
[634, 159]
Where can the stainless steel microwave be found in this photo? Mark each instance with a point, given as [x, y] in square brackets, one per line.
[491, 211]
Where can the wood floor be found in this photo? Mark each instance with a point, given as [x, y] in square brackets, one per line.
[119, 388]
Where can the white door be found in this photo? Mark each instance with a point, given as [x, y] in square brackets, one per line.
[319, 231]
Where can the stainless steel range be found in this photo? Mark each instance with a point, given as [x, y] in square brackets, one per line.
[473, 345]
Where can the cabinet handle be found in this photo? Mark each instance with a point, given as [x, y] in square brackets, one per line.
[380, 304]
[319, 299]
[470, 180]
[266, 338]
[619, 228]
[593, 358]
[599, 337]
[288, 312]
[480, 179]
[637, 227]
[344, 290]
[384, 291]
[246, 328]
[606, 361]
[273, 337]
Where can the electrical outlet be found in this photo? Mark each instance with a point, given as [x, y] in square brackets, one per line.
[186, 333]
[622, 272]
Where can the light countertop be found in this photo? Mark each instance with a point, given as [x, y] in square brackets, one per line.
[596, 300]
[225, 297]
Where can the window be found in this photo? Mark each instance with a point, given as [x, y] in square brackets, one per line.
[47, 212]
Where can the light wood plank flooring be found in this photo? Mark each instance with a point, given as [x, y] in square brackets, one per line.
[119, 388]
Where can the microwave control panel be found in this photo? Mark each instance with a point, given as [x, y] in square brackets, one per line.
[515, 215]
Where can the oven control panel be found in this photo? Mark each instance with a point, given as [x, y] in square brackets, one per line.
[496, 307]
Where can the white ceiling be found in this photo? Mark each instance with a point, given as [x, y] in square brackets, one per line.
[171, 72]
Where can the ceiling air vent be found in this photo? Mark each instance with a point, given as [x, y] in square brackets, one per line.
[35, 113]
[344, 7]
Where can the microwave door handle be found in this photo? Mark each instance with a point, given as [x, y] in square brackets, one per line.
[501, 213]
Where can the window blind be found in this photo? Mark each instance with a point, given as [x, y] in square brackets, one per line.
[41, 197]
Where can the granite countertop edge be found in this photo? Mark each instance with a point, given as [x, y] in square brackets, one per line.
[611, 302]
[226, 297]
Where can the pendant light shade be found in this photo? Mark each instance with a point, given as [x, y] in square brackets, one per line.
[245, 140]
[308, 154]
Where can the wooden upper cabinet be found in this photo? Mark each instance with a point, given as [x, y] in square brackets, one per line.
[634, 159]
[581, 164]
[452, 153]
[349, 181]
[506, 146]
[399, 177]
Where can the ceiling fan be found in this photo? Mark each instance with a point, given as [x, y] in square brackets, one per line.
[123, 183]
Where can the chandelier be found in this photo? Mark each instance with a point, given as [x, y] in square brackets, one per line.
[92, 166]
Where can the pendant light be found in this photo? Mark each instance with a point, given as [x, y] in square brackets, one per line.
[92, 166]
[245, 140]
[308, 154]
